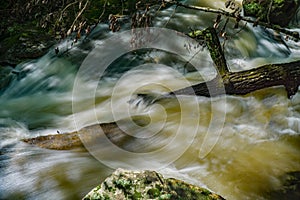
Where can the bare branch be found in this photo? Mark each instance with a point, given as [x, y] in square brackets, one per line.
[62, 12]
[78, 15]
[293, 34]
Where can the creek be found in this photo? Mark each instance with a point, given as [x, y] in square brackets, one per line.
[240, 147]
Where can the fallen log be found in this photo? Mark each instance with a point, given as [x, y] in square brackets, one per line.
[243, 82]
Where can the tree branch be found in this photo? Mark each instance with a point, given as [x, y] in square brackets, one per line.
[293, 34]
[78, 15]
[211, 39]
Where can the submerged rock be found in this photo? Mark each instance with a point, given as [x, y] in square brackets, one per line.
[123, 184]
[290, 189]
[279, 12]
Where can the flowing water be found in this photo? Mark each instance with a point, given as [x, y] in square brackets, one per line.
[238, 146]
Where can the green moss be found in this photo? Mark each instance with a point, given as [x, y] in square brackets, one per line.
[96, 196]
[253, 8]
[153, 192]
[136, 195]
[278, 5]
[205, 192]
[165, 197]
[106, 197]
[278, 1]
[98, 187]
[123, 184]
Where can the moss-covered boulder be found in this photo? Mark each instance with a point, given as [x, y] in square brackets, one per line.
[279, 12]
[142, 185]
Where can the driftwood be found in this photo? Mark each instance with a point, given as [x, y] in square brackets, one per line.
[73, 140]
[93, 135]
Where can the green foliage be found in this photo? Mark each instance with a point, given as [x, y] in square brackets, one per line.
[253, 8]
[279, 2]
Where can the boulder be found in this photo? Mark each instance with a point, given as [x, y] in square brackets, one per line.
[142, 185]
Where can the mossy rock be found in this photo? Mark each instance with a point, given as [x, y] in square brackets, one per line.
[142, 185]
[279, 12]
